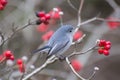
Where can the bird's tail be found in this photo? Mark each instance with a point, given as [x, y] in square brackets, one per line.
[44, 49]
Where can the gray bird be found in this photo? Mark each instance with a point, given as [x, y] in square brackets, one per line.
[59, 42]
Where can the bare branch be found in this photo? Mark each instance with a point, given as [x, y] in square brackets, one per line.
[79, 53]
[79, 13]
[113, 4]
[49, 61]
[88, 21]
[68, 62]
[99, 19]
[16, 31]
[108, 20]
[69, 2]
[22, 76]
[79, 40]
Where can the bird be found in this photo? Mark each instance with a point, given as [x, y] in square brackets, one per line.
[59, 42]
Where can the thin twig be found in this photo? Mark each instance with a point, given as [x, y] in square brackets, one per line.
[79, 76]
[67, 60]
[69, 2]
[16, 31]
[108, 20]
[79, 40]
[79, 13]
[99, 19]
[88, 21]
[113, 4]
[61, 20]
[22, 76]
[80, 53]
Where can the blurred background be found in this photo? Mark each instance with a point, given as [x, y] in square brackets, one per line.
[18, 12]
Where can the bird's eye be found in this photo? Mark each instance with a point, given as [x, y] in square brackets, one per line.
[70, 30]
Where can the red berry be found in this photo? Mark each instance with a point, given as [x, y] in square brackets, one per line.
[21, 68]
[8, 53]
[47, 16]
[107, 47]
[44, 37]
[19, 61]
[12, 58]
[3, 2]
[1, 7]
[43, 19]
[100, 51]
[108, 43]
[113, 24]
[102, 43]
[42, 27]
[76, 65]
[41, 14]
[55, 15]
[106, 52]
[47, 36]
[77, 35]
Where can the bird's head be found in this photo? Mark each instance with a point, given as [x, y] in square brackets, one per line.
[68, 29]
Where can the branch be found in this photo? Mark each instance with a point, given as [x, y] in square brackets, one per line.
[15, 31]
[79, 53]
[79, 40]
[69, 2]
[99, 19]
[113, 4]
[79, 13]
[88, 21]
[68, 62]
[95, 69]
[49, 61]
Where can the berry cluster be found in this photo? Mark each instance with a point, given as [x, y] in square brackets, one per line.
[21, 65]
[104, 47]
[7, 55]
[2, 4]
[56, 13]
[43, 17]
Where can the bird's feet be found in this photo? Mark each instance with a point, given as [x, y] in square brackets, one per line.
[61, 58]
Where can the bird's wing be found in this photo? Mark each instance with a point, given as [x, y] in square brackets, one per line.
[59, 45]
[44, 49]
